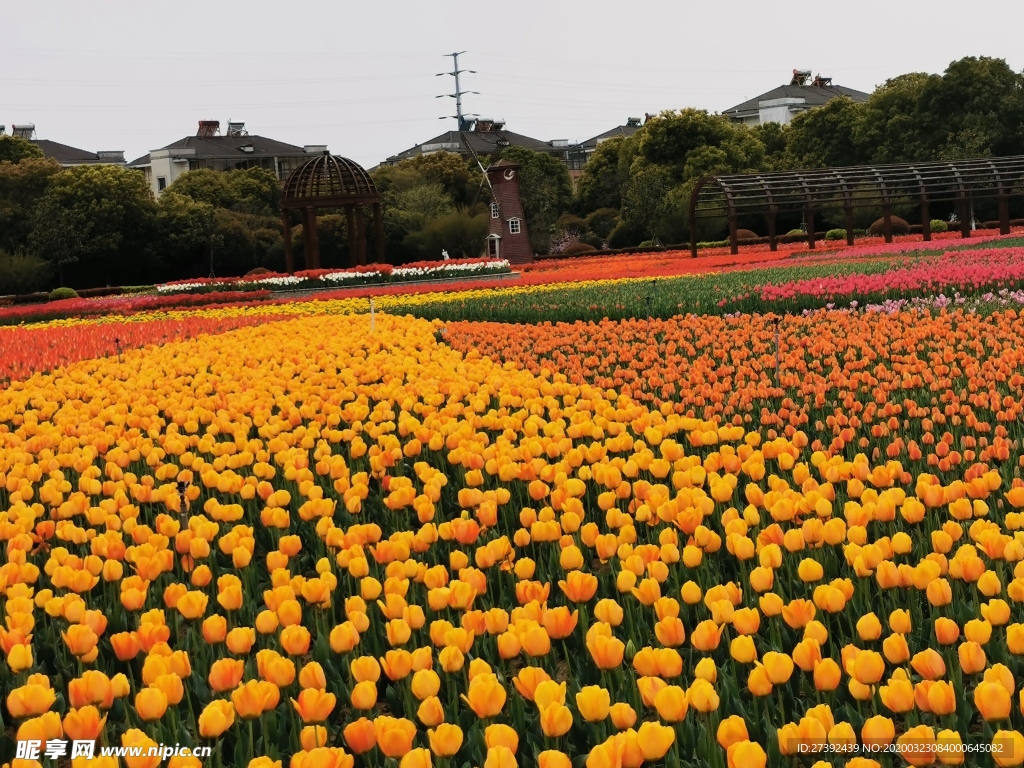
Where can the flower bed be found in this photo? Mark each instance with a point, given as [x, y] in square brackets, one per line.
[969, 272]
[371, 274]
[120, 305]
[307, 545]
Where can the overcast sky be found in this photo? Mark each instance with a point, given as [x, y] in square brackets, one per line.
[360, 77]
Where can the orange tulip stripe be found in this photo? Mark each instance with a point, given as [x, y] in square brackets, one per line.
[897, 386]
[305, 543]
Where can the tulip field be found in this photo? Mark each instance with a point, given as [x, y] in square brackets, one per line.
[735, 516]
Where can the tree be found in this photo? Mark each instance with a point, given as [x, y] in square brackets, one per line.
[99, 218]
[975, 109]
[22, 184]
[600, 184]
[459, 233]
[459, 178]
[774, 137]
[22, 272]
[645, 198]
[249, 190]
[824, 137]
[545, 190]
[889, 126]
[669, 139]
[204, 185]
[14, 149]
[253, 190]
[415, 207]
[184, 229]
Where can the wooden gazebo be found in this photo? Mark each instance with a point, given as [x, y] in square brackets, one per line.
[330, 181]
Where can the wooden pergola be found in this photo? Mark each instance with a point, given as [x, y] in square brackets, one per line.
[330, 181]
[959, 182]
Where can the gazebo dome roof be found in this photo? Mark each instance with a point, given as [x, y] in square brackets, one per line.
[329, 180]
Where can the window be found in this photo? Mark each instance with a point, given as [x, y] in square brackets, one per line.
[161, 183]
[494, 210]
[513, 227]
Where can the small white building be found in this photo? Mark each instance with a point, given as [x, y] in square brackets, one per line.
[235, 149]
[782, 104]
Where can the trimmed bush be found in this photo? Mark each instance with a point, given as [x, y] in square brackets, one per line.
[746, 234]
[577, 248]
[796, 232]
[835, 234]
[938, 225]
[59, 294]
[899, 227]
[592, 239]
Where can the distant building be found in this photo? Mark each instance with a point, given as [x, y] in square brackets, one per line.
[235, 149]
[62, 153]
[578, 155]
[782, 104]
[483, 139]
[507, 235]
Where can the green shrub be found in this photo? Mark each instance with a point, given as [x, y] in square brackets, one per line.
[22, 272]
[593, 239]
[796, 232]
[59, 294]
[623, 236]
[860, 233]
[602, 221]
[577, 248]
[835, 234]
[899, 227]
[938, 225]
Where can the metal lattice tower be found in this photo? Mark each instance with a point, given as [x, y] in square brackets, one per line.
[464, 123]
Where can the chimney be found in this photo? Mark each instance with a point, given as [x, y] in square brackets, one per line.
[208, 129]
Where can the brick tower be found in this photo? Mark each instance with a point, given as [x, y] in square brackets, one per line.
[507, 236]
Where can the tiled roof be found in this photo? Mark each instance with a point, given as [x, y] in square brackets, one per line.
[217, 147]
[66, 155]
[483, 143]
[813, 95]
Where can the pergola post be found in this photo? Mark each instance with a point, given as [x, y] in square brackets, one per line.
[313, 251]
[361, 234]
[926, 221]
[849, 225]
[378, 226]
[350, 227]
[773, 240]
[289, 259]
[965, 218]
[810, 229]
[887, 222]
[734, 243]
[307, 239]
[1004, 215]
